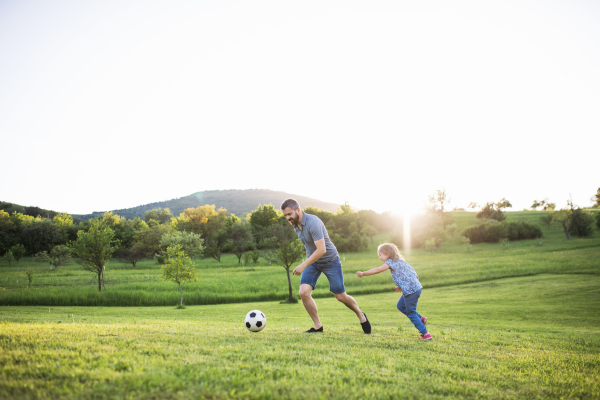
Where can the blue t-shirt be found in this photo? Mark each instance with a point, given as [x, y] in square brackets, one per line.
[312, 230]
[404, 276]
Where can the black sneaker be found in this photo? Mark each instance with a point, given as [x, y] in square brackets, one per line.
[366, 325]
[313, 330]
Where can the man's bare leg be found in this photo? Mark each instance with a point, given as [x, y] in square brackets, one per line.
[351, 304]
[310, 305]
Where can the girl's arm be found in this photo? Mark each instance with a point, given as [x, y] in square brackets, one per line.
[373, 271]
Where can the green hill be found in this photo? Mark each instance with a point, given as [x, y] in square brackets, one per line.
[235, 201]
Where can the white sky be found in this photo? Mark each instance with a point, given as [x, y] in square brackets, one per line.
[113, 104]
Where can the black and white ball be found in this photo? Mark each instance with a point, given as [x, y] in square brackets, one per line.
[255, 321]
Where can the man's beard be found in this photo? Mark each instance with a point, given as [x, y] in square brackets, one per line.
[295, 221]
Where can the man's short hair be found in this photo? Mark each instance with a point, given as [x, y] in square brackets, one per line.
[293, 204]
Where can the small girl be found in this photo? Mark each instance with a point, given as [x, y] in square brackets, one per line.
[406, 281]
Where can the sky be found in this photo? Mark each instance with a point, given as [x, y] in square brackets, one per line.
[113, 104]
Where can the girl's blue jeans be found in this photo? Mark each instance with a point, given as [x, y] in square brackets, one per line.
[408, 306]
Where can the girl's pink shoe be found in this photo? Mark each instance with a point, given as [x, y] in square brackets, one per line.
[424, 320]
[426, 336]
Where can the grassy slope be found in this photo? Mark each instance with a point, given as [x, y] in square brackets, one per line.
[228, 282]
[526, 337]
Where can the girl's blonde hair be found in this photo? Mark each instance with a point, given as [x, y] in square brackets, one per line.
[390, 250]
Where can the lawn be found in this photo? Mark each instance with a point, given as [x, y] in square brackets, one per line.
[511, 322]
[525, 337]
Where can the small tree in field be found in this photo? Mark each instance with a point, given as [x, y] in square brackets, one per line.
[29, 277]
[178, 268]
[132, 255]
[57, 257]
[466, 242]
[285, 250]
[18, 251]
[94, 247]
[9, 257]
[430, 245]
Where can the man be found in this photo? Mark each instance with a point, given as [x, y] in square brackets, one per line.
[321, 258]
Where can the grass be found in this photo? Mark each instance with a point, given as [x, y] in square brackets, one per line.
[508, 323]
[525, 337]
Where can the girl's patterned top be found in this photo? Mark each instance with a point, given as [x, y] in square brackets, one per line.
[404, 276]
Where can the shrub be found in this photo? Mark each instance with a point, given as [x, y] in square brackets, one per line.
[255, 256]
[492, 233]
[246, 257]
[430, 245]
[581, 223]
[598, 219]
[466, 242]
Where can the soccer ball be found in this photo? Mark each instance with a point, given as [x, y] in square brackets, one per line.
[255, 321]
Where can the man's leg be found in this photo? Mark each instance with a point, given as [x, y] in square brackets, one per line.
[309, 304]
[351, 304]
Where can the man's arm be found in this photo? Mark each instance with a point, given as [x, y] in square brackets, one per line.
[314, 257]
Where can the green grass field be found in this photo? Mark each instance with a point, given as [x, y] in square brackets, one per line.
[527, 337]
[508, 323]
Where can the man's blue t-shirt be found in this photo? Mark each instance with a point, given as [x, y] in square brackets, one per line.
[312, 230]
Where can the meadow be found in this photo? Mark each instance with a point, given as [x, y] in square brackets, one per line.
[508, 322]
[230, 282]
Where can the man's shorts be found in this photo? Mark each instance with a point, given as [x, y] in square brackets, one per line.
[332, 270]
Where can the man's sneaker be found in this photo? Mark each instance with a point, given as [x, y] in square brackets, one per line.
[313, 330]
[366, 326]
[424, 320]
[426, 336]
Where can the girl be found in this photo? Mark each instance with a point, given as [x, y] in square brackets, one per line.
[406, 281]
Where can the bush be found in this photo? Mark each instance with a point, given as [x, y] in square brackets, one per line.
[581, 223]
[492, 233]
[246, 257]
[598, 220]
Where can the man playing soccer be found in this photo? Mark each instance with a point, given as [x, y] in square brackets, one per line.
[321, 258]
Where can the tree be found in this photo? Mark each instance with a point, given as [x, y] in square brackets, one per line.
[546, 219]
[158, 216]
[9, 257]
[451, 229]
[29, 277]
[535, 205]
[94, 247]
[562, 218]
[148, 240]
[438, 200]
[473, 205]
[261, 219]
[191, 243]
[239, 239]
[286, 251]
[178, 268]
[63, 220]
[596, 198]
[42, 235]
[9, 232]
[493, 211]
[580, 223]
[503, 204]
[57, 257]
[370, 231]
[132, 255]
[18, 251]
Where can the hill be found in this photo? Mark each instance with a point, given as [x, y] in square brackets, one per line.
[235, 201]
